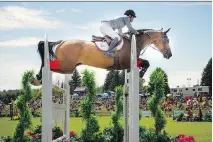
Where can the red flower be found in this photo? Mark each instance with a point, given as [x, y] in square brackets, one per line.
[181, 135]
[29, 133]
[68, 141]
[72, 133]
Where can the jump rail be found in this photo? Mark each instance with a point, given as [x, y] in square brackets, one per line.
[48, 107]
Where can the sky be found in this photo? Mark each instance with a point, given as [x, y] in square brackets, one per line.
[24, 24]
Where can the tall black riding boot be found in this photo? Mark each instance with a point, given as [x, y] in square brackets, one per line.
[110, 52]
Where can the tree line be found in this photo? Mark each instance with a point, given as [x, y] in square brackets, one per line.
[113, 79]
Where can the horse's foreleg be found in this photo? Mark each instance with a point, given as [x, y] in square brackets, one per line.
[39, 75]
[144, 64]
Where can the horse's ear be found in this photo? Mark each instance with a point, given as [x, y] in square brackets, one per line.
[167, 30]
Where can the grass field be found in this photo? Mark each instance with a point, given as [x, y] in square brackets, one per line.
[202, 131]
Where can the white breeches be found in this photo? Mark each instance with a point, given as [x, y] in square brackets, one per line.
[105, 29]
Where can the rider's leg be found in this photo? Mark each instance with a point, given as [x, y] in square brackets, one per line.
[107, 30]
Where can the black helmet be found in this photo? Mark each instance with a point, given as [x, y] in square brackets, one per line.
[130, 12]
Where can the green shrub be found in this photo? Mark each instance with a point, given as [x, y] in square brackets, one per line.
[149, 135]
[208, 117]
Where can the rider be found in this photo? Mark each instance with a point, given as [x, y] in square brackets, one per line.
[108, 28]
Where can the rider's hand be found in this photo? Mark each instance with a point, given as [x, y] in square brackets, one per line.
[137, 33]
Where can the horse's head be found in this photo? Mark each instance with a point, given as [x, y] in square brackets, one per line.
[161, 41]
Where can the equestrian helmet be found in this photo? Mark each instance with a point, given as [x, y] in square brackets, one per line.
[130, 12]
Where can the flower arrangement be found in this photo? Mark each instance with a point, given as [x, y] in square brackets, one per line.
[183, 138]
[56, 133]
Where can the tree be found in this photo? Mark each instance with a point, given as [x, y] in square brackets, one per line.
[117, 136]
[167, 88]
[25, 113]
[206, 79]
[166, 85]
[75, 80]
[92, 126]
[115, 81]
[99, 89]
[145, 89]
[158, 84]
[108, 80]
[141, 84]
[122, 77]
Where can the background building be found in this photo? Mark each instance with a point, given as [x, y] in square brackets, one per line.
[190, 91]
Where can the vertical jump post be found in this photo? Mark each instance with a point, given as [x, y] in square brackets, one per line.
[131, 98]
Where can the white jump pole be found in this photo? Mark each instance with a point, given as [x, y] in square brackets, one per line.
[126, 106]
[46, 97]
[131, 103]
[48, 106]
[67, 109]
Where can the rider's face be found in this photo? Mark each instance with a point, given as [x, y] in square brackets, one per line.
[131, 19]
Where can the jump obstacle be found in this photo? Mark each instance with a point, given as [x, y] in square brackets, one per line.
[50, 109]
[131, 98]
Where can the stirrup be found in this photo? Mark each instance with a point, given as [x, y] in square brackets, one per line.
[110, 54]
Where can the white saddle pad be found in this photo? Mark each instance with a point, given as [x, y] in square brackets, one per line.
[104, 46]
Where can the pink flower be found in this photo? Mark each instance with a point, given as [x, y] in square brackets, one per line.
[35, 135]
[53, 134]
[183, 138]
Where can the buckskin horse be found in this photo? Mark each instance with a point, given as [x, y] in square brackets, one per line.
[72, 53]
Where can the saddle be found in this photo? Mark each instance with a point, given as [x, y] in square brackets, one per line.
[106, 39]
[104, 42]
[109, 39]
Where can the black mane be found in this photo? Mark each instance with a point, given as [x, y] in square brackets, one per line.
[143, 30]
[139, 30]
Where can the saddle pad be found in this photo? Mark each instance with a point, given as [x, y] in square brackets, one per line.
[104, 46]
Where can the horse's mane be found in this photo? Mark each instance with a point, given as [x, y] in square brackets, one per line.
[142, 31]
[147, 30]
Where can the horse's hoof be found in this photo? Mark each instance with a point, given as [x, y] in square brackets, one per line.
[35, 82]
[128, 70]
[142, 74]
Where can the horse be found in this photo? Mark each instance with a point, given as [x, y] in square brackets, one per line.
[72, 53]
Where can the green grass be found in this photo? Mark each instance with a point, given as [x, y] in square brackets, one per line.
[200, 130]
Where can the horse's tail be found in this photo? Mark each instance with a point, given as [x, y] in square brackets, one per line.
[40, 50]
[50, 48]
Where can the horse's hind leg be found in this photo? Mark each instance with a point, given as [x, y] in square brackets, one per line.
[66, 67]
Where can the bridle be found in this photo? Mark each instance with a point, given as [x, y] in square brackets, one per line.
[164, 39]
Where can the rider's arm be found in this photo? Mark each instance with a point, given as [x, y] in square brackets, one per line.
[120, 31]
[129, 25]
